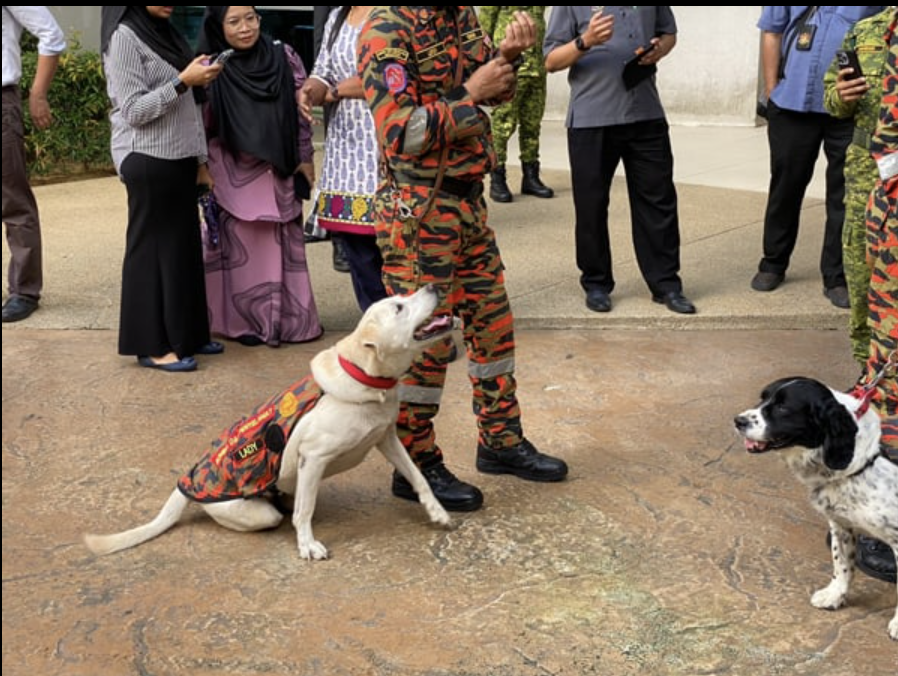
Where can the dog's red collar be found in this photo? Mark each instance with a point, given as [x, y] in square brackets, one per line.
[370, 381]
[864, 394]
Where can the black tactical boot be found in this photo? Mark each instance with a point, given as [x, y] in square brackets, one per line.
[499, 191]
[531, 185]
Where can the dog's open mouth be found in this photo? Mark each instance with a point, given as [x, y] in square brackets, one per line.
[434, 326]
[753, 446]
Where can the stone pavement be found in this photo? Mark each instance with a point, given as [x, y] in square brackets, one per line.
[669, 551]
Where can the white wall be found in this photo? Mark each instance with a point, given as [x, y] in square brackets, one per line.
[710, 78]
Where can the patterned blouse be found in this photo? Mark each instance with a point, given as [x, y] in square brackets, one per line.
[349, 174]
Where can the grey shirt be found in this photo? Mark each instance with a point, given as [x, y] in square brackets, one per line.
[148, 116]
[598, 95]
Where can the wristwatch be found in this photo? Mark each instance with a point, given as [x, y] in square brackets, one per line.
[335, 93]
[179, 86]
[580, 45]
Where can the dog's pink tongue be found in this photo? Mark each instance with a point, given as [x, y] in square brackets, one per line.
[754, 446]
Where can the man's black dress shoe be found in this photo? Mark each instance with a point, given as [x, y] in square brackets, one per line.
[676, 302]
[598, 300]
[523, 461]
[875, 558]
[17, 308]
[454, 494]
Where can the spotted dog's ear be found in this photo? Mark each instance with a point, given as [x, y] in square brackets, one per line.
[839, 432]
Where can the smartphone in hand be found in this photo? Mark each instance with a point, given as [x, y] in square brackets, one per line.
[223, 57]
[848, 59]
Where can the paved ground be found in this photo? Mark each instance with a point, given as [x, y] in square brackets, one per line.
[669, 551]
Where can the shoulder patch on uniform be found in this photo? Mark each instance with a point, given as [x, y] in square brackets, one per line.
[392, 54]
[430, 53]
[395, 78]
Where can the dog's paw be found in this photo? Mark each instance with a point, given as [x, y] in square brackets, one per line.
[438, 513]
[830, 597]
[314, 551]
[893, 628]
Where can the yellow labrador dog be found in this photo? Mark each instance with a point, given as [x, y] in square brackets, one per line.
[322, 425]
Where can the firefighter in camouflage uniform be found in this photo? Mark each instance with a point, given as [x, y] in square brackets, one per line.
[524, 111]
[848, 96]
[432, 130]
[873, 556]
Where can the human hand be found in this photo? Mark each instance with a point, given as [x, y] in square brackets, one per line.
[39, 107]
[520, 35]
[204, 177]
[599, 30]
[852, 89]
[305, 101]
[494, 79]
[200, 72]
[307, 169]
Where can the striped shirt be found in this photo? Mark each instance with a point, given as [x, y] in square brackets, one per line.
[148, 116]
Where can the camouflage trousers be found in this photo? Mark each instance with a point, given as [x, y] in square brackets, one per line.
[452, 247]
[860, 177]
[524, 112]
[882, 300]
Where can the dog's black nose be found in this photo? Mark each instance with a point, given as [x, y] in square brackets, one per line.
[741, 422]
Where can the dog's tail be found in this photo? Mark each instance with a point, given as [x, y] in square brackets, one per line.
[169, 515]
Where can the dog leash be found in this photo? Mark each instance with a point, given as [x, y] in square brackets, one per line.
[864, 391]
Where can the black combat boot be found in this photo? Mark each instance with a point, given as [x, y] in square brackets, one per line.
[531, 185]
[499, 191]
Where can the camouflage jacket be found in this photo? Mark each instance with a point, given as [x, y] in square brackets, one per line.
[407, 62]
[868, 39]
[885, 138]
[494, 21]
[245, 460]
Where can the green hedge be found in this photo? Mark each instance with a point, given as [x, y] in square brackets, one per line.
[78, 140]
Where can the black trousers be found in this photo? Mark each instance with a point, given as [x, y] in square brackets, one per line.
[163, 307]
[365, 267]
[795, 140]
[644, 148]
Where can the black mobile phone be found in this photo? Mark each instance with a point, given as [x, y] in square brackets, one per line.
[847, 58]
[223, 57]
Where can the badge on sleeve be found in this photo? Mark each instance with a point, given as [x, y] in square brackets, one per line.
[396, 78]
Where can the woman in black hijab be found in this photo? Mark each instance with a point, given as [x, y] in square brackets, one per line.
[159, 151]
[257, 280]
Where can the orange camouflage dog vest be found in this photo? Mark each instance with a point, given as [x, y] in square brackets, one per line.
[245, 460]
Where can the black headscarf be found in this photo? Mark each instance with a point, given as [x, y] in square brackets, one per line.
[254, 98]
[160, 35]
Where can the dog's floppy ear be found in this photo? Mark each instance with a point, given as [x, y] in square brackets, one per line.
[839, 432]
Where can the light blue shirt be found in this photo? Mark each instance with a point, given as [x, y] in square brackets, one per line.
[801, 89]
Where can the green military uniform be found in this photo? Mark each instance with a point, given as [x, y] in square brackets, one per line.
[867, 39]
[527, 107]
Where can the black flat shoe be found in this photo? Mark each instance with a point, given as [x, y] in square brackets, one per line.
[523, 461]
[875, 558]
[675, 301]
[454, 494]
[213, 347]
[182, 365]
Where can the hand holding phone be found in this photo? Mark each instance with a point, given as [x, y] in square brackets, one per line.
[223, 57]
[848, 59]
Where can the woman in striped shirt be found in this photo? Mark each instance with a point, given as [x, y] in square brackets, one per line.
[159, 150]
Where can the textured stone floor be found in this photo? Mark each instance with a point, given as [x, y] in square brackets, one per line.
[669, 551]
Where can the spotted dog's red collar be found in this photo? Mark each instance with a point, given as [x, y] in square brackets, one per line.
[365, 379]
[864, 394]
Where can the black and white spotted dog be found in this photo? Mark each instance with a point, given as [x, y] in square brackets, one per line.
[830, 440]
